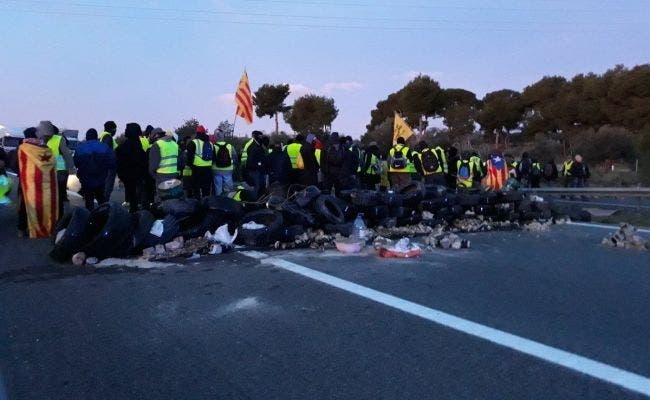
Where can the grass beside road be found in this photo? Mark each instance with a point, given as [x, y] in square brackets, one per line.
[640, 219]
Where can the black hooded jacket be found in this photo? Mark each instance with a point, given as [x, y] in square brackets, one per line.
[131, 158]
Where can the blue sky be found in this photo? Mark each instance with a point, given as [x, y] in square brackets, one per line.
[82, 62]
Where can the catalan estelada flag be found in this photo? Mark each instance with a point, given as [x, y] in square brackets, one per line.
[39, 188]
[244, 99]
[401, 129]
[496, 173]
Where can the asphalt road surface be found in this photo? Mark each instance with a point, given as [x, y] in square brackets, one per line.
[236, 327]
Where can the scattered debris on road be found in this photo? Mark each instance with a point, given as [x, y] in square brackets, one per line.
[626, 238]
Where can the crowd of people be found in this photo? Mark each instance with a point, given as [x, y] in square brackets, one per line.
[145, 159]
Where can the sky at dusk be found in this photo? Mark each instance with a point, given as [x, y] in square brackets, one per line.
[79, 63]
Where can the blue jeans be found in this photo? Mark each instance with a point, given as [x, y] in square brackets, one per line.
[223, 182]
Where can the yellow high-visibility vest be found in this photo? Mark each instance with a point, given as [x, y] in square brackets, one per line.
[567, 168]
[404, 151]
[54, 144]
[374, 167]
[168, 157]
[104, 134]
[465, 182]
[442, 158]
[229, 148]
[317, 154]
[244, 152]
[293, 151]
[198, 161]
[146, 145]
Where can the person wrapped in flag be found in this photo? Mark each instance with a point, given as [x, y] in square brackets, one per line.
[496, 172]
[38, 187]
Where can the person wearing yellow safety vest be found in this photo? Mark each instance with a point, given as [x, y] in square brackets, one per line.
[371, 167]
[5, 182]
[62, 156]
[566, 172]
[200, 154]
[293, 151]
[465, 173]
[163, 157]
[107, 137]
[479, 168]
[225, 159]
[399, 157]
[429, 165]
[148, 137]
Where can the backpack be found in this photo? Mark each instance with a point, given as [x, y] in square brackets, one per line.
[398, 161]
[223, 159]
[430, 163]
[334, 156]
[206, 154]
[464, 172]
[524, 168]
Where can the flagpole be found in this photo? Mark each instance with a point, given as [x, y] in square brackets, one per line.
[234, 122]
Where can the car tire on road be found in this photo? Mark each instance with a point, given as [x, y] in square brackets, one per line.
[75, 236]
[271, 232]
[328, 209]
[109, 225]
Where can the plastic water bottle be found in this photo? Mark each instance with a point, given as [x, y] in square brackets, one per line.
[360, 229]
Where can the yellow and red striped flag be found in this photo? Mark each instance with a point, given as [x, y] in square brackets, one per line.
[39, 188]
[244, 99]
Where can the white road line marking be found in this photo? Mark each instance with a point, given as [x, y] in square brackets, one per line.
[596, 369]
[603, 226]
[254, 254]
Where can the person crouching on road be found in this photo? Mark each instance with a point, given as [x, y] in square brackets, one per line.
[163, 157]
[225, 158]
[93, 160]
[200, 155]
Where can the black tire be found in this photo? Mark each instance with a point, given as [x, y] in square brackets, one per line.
[541, 206]
[376, 213]
[180, 208]
[75, 235]
[390, 222]
[345, 229]
[307, 195]
[484, 210]
[272, 221]
[289, 233]
[488, 198]
[227, 206]
[413, 219]
[511, 197]
[391, 199]
[364, 198]
[399, 212]
[434, 191]
[295, 215]
[171, 230]
[432, 205]
[412, 194]
[328, 210]
[468, 200]
[200, 223]
[580, 216]
[275, 202]
[109, 225]
[143, 221]
[350, 211]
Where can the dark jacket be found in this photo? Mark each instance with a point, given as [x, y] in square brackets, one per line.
[93, 159]
[256, 160]
[278, 166]
[579, 170]
[309, 175]
[333, 159]
[131, 159]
